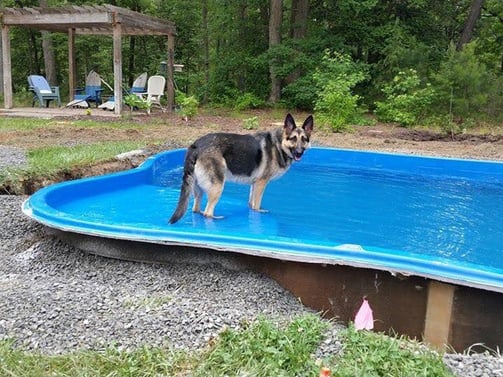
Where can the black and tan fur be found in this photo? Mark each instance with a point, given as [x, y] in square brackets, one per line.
[249, 159]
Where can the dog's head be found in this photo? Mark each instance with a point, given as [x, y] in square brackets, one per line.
[296, 139]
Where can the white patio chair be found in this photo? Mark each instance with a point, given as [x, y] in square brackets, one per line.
[155, 90]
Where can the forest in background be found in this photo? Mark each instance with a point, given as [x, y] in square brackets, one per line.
[406, 61]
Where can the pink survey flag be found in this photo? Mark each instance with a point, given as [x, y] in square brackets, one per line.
[364, 318]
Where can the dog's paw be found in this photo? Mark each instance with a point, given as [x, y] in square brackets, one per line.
[261, 210]
[211, 216]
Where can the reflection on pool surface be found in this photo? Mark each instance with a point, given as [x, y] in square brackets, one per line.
[426, 216]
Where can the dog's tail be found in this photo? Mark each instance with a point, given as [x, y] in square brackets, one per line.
[187, 183]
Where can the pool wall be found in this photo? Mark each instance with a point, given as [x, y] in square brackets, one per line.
[447, 316]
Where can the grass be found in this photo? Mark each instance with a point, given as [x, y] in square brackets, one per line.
[22, 124]
[144, 361]
[260, 348]
[32, 124]
[48, 160]
[263, 348]
[375, 354]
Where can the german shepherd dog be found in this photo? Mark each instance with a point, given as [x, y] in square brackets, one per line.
[249, 159]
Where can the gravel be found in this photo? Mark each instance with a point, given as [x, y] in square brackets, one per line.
[11, 157]
[55, 298]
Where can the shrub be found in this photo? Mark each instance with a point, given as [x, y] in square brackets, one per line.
[136, 102]
[250, 123]
[188, 105]
[450, 126]
[465, 86]
[407, 101]
[248, 101]
[301, 94]
[336, 104]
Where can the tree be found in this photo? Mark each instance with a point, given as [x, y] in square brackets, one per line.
[276, 16]
[206, 47]
[298, 29]
[474, 15]
[298, 19]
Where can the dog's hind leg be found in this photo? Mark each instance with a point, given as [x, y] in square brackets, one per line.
[256, 193]
[198, 195]
[214, 194]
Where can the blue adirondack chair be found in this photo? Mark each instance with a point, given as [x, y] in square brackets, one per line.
[139, 85]
[42, 91]
[90, 93]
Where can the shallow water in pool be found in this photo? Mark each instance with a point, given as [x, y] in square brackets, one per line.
[459, 219]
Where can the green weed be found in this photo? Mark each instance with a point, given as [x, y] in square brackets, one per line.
[259, 348]
[375, 354]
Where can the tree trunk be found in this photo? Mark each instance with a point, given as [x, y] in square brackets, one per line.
[48, 50]
[274, 40]
[1, 68]
[241, 74]
[206, 49]
[298, 19]
[474, 15]
[49, 59]
[298, 29]
[34, 53]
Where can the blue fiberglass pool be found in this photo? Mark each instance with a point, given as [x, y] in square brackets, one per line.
[431, 217]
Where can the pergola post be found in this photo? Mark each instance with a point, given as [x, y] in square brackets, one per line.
[7, 73]
[72, 72]
[117, 47]
[170, 73]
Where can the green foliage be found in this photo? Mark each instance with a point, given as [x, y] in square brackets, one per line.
[385, 38]
[266, 349]
[251, 123]
[302, 93]
[373, 354]
[260, 348]
[336, 105]
[248, 101]
[465, 86]
[143, 361]
[188, 105]
[407, 101]
[136, 102]
[403, 51]
[450, 126]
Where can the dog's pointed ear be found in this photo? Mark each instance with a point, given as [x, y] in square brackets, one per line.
[308, 125]
[289, 124]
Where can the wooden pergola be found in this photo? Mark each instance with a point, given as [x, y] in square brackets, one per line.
[87, 20]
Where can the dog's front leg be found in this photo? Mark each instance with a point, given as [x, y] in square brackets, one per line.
[256, 193]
